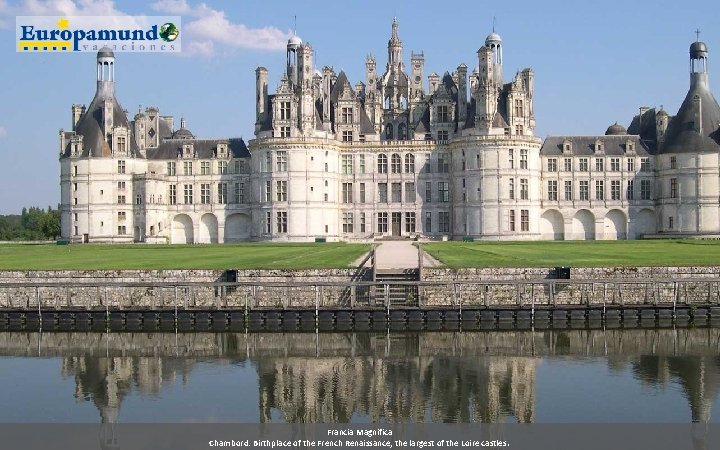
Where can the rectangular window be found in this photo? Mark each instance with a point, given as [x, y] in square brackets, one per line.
[173, 194]
[443, 191]
[187, 168]
[121, 144]
[552, 190]
[442, 136]
[615, 164]
[524, 220]
[382, 225]
[615, 190]
[282, 221]
[268, 191]
[630, 192]
[284, 110]
[281, 161]
[584, 190]
[524, 190]
[204, 193]
[121, 200]
[673, 162]
[478, 161]
[511, 220]
[644, 164]
[362, 222]
[362, 192]
[568, 164]
[121, 185]
[523, 159]
[347, 115]
[443, 115]
[428, 222]
[347, 164]
[409, 163]
[121, 216]
[583, 164]
[444, 221]
[410, 192]
[568, 190]
[121, 229]
[121, 167]
[645, 192]
[395, 164]
[188, 194]
[599, 190]
[382, 163]
[240, 193]
[382, 193]
[138, 199]
[267, 223]
[222, 193]
[171, 168]
[599, 165]
[511, 158]
[443, 163]
[671, 222]
[552, 165]
[409, 222]
[519, 130]
[673, 188]
[281, 193]
[428, 191]
[511, 188]
[631, 164]
[347, 192]
[396, 192]
[268, 162]
[362, 163]
[519, 108]
[75, 172]
[347, 222]
[347, 136]
[205, 168]
[285, 132]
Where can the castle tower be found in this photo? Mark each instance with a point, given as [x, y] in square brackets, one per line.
[395, 48]
[293, 47]
[261, 85]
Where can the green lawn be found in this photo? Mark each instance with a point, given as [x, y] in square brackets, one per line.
[576, 254]
[235, 256]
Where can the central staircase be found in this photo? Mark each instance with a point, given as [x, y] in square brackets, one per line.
[397, 294]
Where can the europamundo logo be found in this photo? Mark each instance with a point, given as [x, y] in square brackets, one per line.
[91, 33]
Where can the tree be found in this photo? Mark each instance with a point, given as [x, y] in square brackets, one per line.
[50, 225]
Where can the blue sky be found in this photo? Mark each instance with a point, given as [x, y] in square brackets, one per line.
[595, 63]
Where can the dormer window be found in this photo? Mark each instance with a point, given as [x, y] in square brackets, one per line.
[222, 150]
[567, 146]
[598, 146]
[187, 150]
[630, 147]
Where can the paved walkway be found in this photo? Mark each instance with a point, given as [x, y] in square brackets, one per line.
[399, 255]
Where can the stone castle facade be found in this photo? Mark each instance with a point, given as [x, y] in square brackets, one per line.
[456, 157]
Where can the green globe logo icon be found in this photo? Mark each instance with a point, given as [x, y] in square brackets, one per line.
[169, 32]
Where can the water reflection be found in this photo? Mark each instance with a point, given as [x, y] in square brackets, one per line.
[341, 377]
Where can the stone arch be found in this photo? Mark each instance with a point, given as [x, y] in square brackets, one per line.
[237, 227]
[615, 225]
[583, 225]
[182, 230]
[552, 225]
[208, 229]
[645, 223]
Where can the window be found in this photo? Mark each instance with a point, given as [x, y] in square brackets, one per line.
[584, 190]
[268, 162]
[362, 163]
[205, 168]
[268, 191]
[673, 188]
[121, 200]
[443, 163]
[347, 192]
[284, 110]
[428, 222]
[671, 222]
[645, 192]
[409, 163]
[615, 190]
[443, 114]
[524, 220]
[222, 193]
[282, 221]
[599, 190]
[285, 132]
[568, 164]
[204, 193]
[478, 161]
[188, 191]
[347, 222]
[615, 164]
[281, 188]
[644, 164]
[552, 165]
[362, 222]
[519, 108]
[138, 199]
[382, 193]
[511, 188]
[444, 222]
[347, 164]
[281, 161]
[121, 166]
[511, 158]
[173, 194]
[523, 159]
[443, 191]
[75, 172]
[631, 164]
[239, 192]
[442, 136]
[409, 222]
[428, 191]
[121, 229]
[395, 165]
[121, 185]
[382, 225]
[362, 192]
[524, 191]
[552, 190]
[382, 163]
[630, 192]
[75, 202]
[410, 192]
[347, 136]
[396, 192]
[519, 130]
[673, 162]
[568, 190]
[347, 115]
[171, 168]
[187, 168]
[599, 165]
[267, 223]
[511, 220]
[583, 164]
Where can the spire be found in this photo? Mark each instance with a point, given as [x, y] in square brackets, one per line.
[105, 73]
[394, 46]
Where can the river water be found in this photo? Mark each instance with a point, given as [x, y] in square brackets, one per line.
[549, 376]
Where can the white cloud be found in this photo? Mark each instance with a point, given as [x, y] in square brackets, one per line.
[172, 7]
[3, 132]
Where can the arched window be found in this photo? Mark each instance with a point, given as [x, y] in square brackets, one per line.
[396, 163]
[402, 132]
[409, 163]
[382, 163]
[389, 132]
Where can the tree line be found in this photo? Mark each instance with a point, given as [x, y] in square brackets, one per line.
[33, 224]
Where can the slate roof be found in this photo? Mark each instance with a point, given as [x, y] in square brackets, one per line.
[89, 126]
[204, 148]
[583, 145]
[681, 136]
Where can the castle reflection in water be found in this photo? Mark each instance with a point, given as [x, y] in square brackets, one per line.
[403, 377]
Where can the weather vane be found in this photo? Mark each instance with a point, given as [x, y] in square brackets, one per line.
[697, 32]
